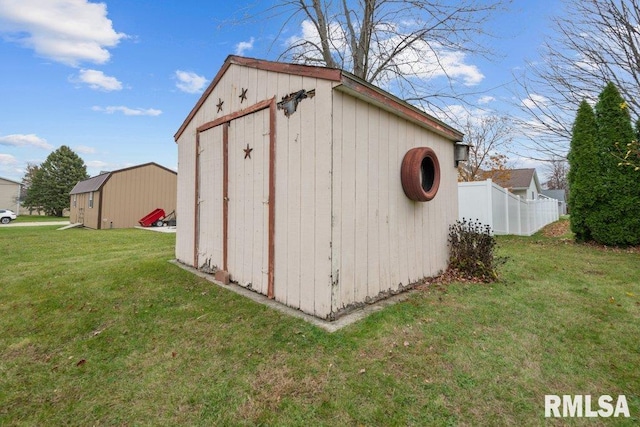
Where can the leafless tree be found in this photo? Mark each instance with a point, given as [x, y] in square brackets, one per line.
[489, 139]
[414, 48]
[594, 42]
[557, 170]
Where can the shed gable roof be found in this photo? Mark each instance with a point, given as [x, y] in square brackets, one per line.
[349, 83]
[97, 182]
[10, 181]
[91, 184]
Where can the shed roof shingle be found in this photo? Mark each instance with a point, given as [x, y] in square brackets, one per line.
[91, 184]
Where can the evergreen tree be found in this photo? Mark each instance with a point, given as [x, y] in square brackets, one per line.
[30, 173]
[54, 179]
[582, 161]
[614, 219]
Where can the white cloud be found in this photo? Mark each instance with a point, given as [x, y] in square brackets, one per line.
[424, 61]
[242, 47]
[98, 80]
[83, 149]
[67, 31]
[483, 100]
[426, 64]
[128, 111]
[7, 160]
[534, 101]
[190, 82]
[20, 140]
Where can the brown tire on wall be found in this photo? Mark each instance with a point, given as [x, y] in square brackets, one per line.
[420, 174]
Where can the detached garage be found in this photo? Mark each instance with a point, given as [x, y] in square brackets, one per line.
[313, 187]
[119, 199]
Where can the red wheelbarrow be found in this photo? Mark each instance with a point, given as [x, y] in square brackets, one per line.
[153, 219]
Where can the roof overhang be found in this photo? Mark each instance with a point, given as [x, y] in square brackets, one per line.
[359, 88]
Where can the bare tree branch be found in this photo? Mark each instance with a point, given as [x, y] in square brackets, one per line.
[406, 46]
[595, 42]
[488, 138]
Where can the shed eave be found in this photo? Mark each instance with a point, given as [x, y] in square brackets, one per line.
[10, 181]
[358, 88]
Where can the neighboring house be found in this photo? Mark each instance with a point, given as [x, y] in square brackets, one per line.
[10, 195]
[119, 199]
[521, 182]
[313, 187]
[560, 196]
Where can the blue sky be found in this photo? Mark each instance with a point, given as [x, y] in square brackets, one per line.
[114, 80]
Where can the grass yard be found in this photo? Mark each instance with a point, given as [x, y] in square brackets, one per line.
[97, 328]
[39, 218]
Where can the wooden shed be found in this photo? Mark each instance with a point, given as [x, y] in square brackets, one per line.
[313, 187]
[119, 199]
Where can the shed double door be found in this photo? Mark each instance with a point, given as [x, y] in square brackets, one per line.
[234, 189]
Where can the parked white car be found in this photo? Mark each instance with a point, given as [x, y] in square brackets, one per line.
[6, 216]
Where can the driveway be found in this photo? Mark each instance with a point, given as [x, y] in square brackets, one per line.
[34, 224]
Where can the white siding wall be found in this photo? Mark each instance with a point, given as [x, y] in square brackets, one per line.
[303, 198]
[185, 212]
[381, 240]
[532, 191]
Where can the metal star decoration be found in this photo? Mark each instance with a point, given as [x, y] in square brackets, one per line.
[247, 151]
[220, 102]
[243, 95]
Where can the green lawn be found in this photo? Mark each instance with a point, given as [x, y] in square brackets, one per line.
[39, 218]
[97, 328]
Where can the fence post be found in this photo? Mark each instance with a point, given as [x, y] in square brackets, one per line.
[506, 211]
[489, 205]
[519, 217]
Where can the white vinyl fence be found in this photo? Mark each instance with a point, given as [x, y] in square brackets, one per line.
[503, 211]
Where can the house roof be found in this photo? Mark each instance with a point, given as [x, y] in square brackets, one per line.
[97, 182]
[348, 83]
[518, 179]
[559, 195]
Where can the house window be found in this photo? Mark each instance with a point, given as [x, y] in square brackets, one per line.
[75, 200]
[91, 199]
